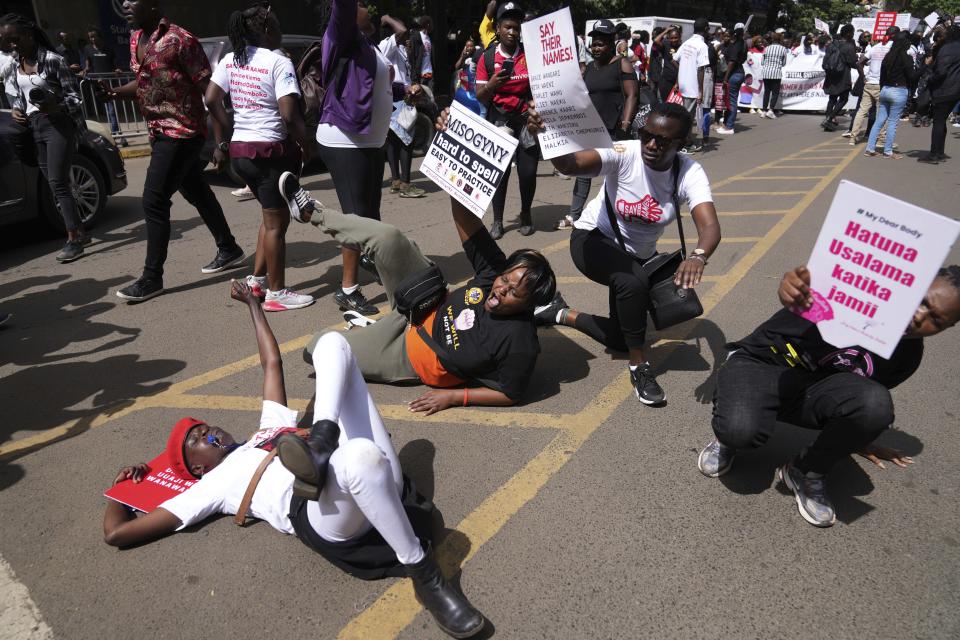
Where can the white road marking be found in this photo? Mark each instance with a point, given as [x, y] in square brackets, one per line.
[19, 616]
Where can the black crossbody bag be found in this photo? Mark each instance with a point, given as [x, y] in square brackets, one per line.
[669, 304]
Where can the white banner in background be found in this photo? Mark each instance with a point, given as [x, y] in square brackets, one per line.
[801, 88]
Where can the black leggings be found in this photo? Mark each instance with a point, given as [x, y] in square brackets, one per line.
[358, 178]
[400, 157]
[526, 175]
[601, 259]
[771, 93]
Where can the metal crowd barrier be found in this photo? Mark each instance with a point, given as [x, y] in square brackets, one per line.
[123, 116]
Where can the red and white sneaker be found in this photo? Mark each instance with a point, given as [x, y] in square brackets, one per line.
[258, 285]
[285, 300]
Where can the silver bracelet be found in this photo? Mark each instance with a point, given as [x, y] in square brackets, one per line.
[700, 257]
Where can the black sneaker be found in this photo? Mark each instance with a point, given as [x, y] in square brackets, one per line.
[142, 289]
[4, 317]
[496, 230]
[645, 385]
[224, 260]
[354, 302]
[368, 265]
[298, 199]
[71, 251]
[546, 315]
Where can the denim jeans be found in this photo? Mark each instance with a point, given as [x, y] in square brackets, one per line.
[733, 98]
[850, 411]
[175, 166]
[892, 101]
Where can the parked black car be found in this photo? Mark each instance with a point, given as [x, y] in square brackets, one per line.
[97, 172]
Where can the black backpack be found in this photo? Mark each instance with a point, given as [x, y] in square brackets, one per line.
[833, 60]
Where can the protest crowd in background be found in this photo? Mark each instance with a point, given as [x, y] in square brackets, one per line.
[663, 100]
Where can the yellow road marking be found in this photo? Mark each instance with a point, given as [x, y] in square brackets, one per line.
[397, 607]
[779, 178]
[801, 166]
[759, 193]
[760, 212]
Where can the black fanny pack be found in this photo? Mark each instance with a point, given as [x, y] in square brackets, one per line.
[420, 293]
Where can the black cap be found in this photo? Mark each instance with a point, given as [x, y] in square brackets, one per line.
[604, 28]
[509, 8]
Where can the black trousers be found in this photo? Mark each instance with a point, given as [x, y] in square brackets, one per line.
[175, 166]
[938, 131]
[850, 411]
[601, 259]
[358, 178]
[836, 104]
[55, 136]
[400, 157]
[771, 93]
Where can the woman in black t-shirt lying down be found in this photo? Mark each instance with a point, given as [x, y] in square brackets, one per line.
[785, 371]
[482, 332]
[338, 488]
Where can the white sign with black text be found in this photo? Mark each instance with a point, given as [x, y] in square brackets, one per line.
[571, 121]
[469, 158]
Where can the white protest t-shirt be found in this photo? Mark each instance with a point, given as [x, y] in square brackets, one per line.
[691, 55]
[255, 90]
[641, 196]
[222, 489]
[331, 136]
[875, 54]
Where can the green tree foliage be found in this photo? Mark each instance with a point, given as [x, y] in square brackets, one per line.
[799, 16]
[922, 8]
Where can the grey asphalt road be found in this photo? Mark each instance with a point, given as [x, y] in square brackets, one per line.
[579, 514]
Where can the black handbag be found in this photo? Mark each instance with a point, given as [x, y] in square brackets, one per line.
[420, 293]
[670, 304]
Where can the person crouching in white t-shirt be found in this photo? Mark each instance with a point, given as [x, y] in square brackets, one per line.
[339, 490]
[269, 138]
[639, 176]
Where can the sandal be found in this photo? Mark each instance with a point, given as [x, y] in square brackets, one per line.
[564, 223]
[412, 192]
[893, 156]
[870, 154]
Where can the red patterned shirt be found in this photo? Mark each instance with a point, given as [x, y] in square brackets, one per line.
[168, 81]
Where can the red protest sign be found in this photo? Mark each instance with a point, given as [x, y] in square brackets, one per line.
[885, 20]
[159, 485]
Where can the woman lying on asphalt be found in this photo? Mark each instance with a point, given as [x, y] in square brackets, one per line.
[484, 331]
[647, 179]
[341, 490]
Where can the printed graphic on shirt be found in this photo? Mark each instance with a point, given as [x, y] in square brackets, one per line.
[645, 210]
[474, 295]
[465, 320]
[853, 360]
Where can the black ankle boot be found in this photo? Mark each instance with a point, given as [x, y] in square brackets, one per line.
[496, 229]
[308, 460]
[450, 609]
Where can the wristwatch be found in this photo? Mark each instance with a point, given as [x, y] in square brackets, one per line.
[224, 146]
[701, 254]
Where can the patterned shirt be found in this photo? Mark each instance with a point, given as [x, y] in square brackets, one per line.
[168, 81]
[774, 58]
[55, 72]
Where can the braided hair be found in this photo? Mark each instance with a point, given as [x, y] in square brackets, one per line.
[22, 23]
[245, 28]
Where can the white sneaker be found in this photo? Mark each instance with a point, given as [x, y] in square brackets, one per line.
[723, 131]
[257, 285]
[356, 319]
[284, 300]
[771, 114]
[763, 114]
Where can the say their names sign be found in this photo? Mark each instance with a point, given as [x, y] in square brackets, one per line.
[468, 160]
[559, 94]
[871, 266]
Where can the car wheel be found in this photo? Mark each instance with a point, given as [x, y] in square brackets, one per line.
[89, 191]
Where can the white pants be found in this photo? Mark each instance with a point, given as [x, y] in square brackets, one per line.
[364, 480]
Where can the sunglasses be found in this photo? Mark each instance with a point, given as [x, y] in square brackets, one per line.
[661, 141]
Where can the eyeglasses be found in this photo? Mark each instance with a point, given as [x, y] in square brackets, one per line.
[661, 141]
